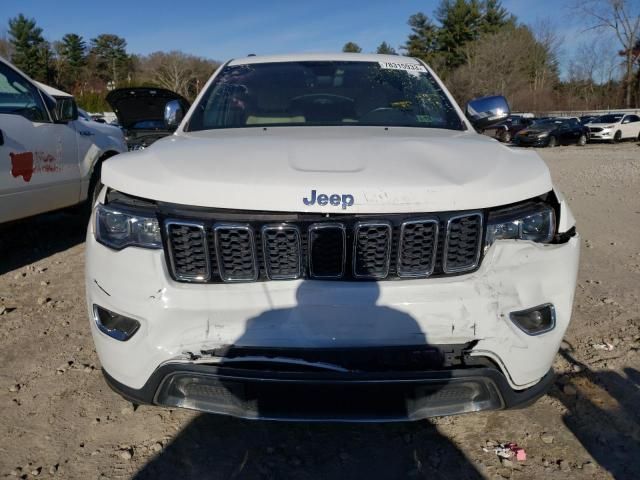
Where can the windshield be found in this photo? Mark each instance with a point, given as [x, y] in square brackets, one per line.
[324, 93]
[610, 118]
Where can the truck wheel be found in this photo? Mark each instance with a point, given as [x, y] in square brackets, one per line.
[506, 137]
[582, 141]
[553, 142]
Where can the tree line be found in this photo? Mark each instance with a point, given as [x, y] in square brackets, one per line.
[477, 46]
[88, 69]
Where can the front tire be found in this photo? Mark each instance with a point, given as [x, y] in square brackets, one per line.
[582, 141]
[617, 137]
[506, 137]
[553, 142]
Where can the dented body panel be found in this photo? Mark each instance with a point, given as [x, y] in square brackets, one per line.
[450, 170]
[179, 319]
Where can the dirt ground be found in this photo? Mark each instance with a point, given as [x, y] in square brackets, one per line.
[59, 419]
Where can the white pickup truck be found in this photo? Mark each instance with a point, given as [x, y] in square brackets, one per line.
[327, 237]
[51, 158]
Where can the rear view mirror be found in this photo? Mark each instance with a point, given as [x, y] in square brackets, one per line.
[486, 111]
[173, 114]
[66, 110]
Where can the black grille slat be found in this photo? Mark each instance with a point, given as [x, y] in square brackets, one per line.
[282, 252]
[188, 247]
[462, 245]
[233, 248]
[417, 250]
[371, 250]
[236, 250]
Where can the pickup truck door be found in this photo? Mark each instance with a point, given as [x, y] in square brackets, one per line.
[38, 158]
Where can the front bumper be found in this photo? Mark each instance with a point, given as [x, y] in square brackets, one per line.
[329, 396]
[604, 135]
[179, 321]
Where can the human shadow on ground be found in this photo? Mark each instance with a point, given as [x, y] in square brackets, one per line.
[604, 415]
[27, 241]
[214, 446]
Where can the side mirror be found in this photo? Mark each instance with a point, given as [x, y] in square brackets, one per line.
[173, 114]
[485, 111]
[66, 110]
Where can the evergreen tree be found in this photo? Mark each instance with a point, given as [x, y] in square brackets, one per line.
[28, 52]
[73, 50]
[385, 49]
[495, 17]
[111, 59]
[351, 47]
[423, 39]
[460, 24]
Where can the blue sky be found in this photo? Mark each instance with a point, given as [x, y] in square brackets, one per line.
[226, 29]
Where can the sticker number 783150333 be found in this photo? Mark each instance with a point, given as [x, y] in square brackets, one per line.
[407, 67]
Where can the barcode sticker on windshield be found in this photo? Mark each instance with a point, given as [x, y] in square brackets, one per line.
[407, 67]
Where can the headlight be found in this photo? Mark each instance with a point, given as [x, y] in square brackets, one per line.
[119, 228]
[543, 134]
[534, 222]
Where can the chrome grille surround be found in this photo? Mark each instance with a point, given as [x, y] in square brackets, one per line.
[229, 273]
[360, 250]
[233, 247]
[401, 270]
[279, 230]
[174, 250]
[449, 244]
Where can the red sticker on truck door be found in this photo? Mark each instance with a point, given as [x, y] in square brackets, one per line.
[22, 165]
[27, 163]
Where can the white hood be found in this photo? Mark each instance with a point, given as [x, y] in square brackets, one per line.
[390, 170]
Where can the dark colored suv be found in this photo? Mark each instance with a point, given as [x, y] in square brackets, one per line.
[553, 132]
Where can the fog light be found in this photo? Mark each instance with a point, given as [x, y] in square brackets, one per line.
[115, 325]
[536, 320]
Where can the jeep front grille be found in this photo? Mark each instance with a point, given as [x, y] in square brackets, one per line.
[237, 248]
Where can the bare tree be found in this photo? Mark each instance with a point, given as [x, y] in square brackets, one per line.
[622, 18]
[183, 73]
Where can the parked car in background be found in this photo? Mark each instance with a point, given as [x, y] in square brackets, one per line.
[507, 130]
[614, 127]
[140, 113]
[54, 158]
[553, 132]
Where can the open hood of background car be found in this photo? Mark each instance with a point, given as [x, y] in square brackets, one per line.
[133, 105]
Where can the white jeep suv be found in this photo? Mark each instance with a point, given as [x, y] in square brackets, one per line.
[327, 237]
